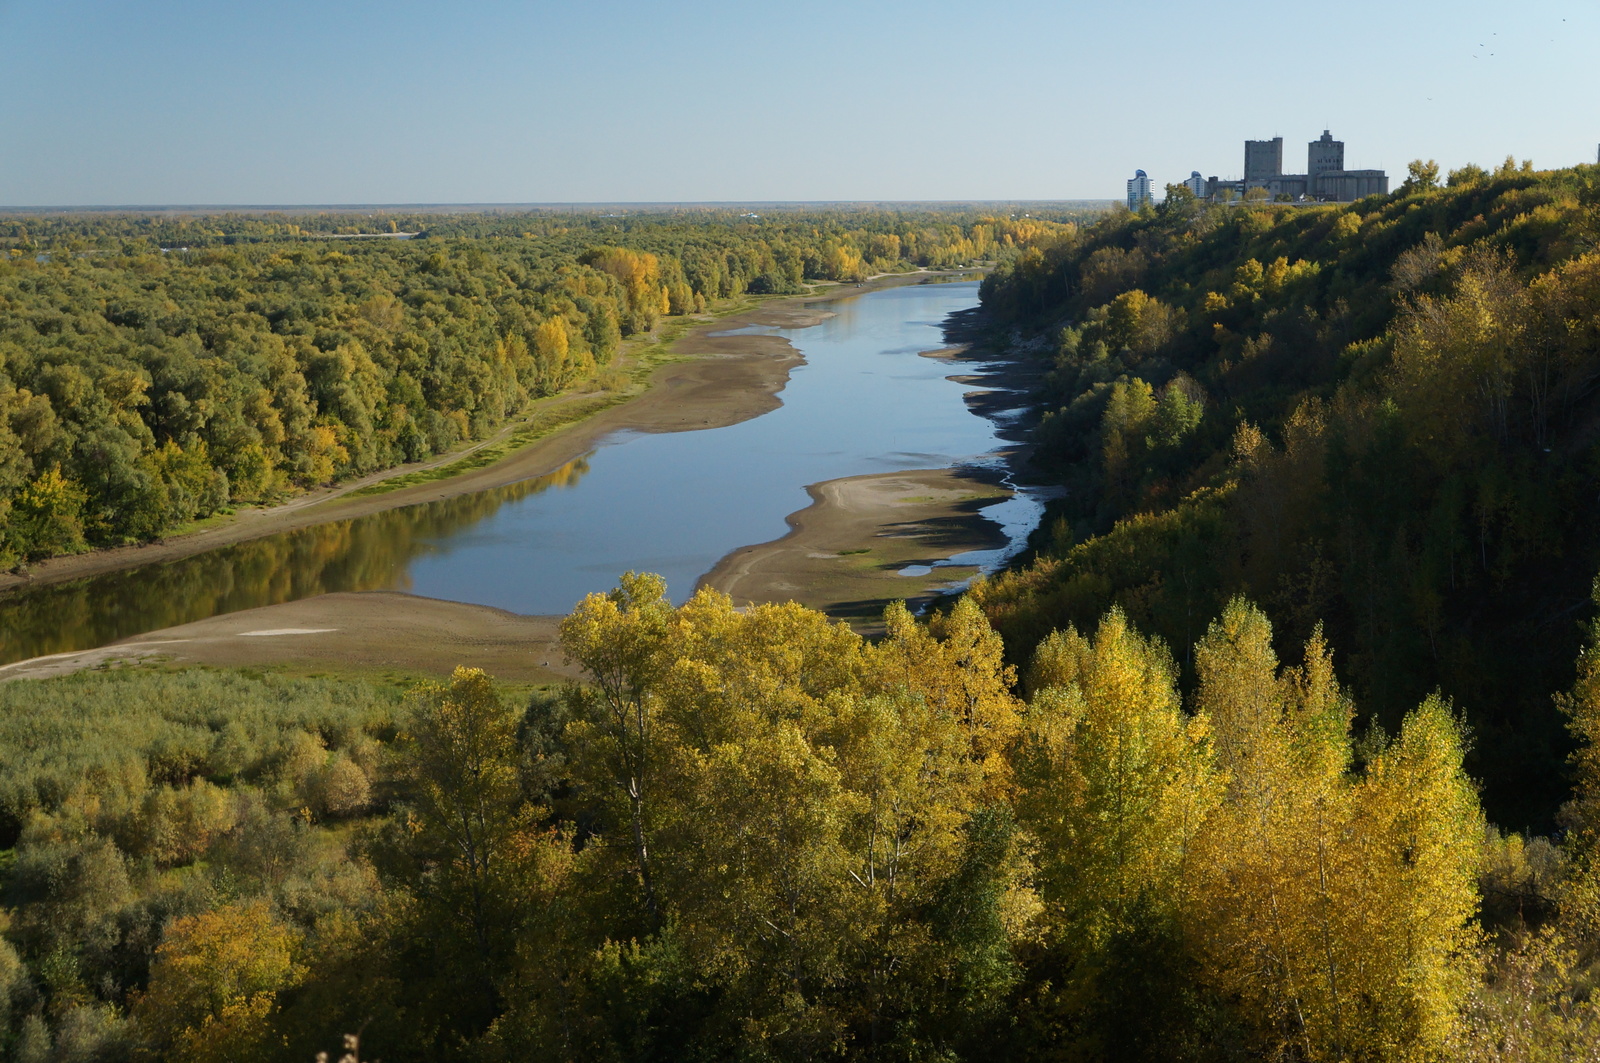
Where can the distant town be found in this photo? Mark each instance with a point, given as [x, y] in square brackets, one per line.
[1325, 181]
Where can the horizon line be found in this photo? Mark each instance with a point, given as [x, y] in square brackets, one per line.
[171, 208]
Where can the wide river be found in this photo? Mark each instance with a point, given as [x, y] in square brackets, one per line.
[673, 503]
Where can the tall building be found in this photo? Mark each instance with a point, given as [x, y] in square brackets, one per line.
[1263, 160]
[1196, 184]
[1139, 190]
[1325, 177]
[1323, 155]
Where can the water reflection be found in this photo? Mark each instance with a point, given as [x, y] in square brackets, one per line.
[360, 554]
[673, 503]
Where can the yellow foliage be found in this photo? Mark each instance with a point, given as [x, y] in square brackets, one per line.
[215, 980]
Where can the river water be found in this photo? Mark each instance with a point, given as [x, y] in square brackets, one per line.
[864, 401]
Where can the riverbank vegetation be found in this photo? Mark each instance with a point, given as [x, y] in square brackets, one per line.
[755, 835]
[1381, 417]
[155, 369]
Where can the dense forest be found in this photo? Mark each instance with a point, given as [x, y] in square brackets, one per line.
[1382, 417]
[753, 835]
[1283, 744]
[156, 369]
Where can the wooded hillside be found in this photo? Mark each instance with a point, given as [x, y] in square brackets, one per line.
[1382, 417]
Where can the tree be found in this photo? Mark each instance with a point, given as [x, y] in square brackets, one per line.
[215, 980]
[1115, 786]
[461, 755]
[46, 517]
[1421, 177]
[1581, 706]
[1335, 910]
[1116, 781]
[617, 639]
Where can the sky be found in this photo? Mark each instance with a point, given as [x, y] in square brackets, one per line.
[136, 102]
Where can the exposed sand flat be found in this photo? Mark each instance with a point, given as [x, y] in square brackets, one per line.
[844, 554]
[373, 632]
[847, 549]
[730, 379]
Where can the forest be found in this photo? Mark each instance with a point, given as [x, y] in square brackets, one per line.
[1381, 417]
[1282, 744]
[156, 370]
[753, 834]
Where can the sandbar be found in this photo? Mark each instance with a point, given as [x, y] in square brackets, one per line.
[716, 380]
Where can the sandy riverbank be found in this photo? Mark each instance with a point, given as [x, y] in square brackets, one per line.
[377, 632]
[721, 380]
[844, 554]
[848, 552]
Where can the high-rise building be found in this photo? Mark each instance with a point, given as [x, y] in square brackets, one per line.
[1325, 177]
[1263, 160]
[1139, 194]
[1196, 184]
[1323, 155]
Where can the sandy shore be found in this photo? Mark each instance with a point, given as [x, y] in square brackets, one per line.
[721, 381]
[844, 554]
[849, 552]
[377, 633]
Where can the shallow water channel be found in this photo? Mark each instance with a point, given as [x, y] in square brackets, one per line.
[673, 503]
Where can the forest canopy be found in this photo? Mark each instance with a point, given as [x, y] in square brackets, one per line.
[752, 834]
[1380, 416]
[157, 369]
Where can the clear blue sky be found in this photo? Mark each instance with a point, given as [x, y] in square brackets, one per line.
[350, 101]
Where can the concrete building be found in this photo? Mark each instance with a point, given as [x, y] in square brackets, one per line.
[1263, 160]
[1139, 193]
[1196, 184]
[1325, 179]
[1323, 155]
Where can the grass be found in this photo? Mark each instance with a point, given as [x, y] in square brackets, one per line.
[540, 425]
[636, 366]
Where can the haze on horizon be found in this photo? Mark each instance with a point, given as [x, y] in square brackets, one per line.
[352, 101]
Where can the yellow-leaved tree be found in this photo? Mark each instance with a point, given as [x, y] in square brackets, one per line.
[214, 982]
[1332, 910]
[1114, 784]
[807, 817]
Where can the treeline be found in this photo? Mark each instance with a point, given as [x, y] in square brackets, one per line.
[755, 835]
[145, 383]
[1381, 416]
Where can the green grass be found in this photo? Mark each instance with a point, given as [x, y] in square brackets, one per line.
[540, 425]
[639, 362]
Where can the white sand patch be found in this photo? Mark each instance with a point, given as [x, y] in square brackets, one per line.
[287, 631]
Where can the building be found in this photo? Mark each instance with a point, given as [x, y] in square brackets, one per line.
[1324, 155]
[1325, 179]
[1196, 184]
[1263, 160]
[1139, 194]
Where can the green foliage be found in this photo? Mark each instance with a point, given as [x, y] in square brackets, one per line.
[1395, 438]
[757, 835]
[163, 369]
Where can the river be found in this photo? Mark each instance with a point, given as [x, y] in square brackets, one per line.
[864, 401]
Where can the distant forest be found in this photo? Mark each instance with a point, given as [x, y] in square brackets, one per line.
[156, 369]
